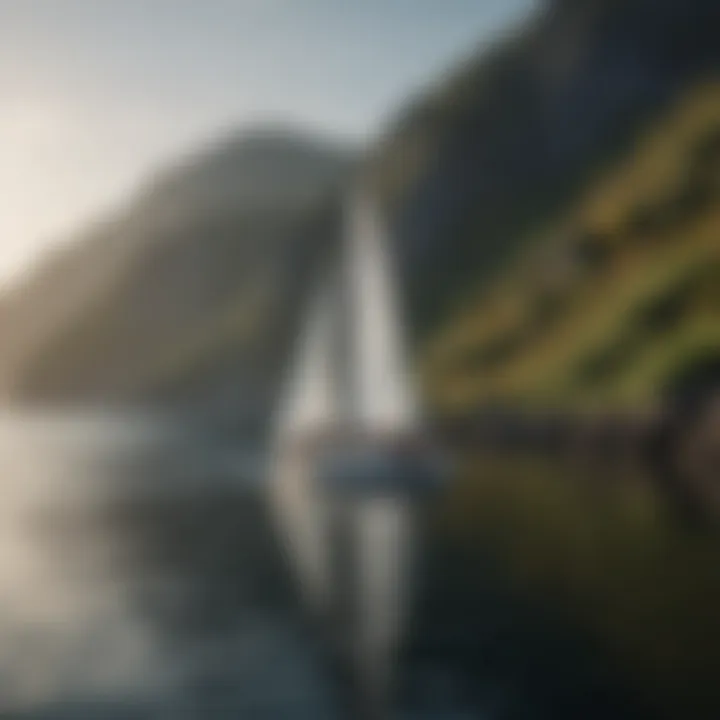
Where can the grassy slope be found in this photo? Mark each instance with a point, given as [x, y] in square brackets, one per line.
[615, 296]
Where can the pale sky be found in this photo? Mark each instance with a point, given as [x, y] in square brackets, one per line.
[95, 94]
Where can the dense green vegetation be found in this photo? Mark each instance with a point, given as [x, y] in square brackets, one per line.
[615, 296]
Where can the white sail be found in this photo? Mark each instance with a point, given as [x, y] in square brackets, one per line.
[383, 395]
[311, 401]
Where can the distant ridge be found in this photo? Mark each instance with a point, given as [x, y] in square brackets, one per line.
[207, 259]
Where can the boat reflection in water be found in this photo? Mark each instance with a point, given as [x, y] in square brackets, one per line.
[350, 474]
[373, 492]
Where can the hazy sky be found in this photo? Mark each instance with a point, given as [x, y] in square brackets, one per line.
[96, 93]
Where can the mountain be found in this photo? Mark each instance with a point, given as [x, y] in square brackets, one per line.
[615, 302]
[554, 205]
[525, 186]
[194, 284]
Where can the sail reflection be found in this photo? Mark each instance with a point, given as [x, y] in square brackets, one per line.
[347, 470]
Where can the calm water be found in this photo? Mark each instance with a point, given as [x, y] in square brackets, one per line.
[139, 578]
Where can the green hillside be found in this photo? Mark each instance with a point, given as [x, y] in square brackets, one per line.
[615, 297]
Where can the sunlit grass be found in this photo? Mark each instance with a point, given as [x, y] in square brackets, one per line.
[526, 339]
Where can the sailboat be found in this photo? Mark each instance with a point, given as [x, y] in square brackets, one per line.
[347, 473]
